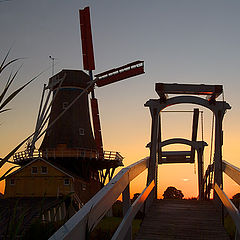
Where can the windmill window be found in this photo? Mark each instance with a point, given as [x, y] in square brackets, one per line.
[84, 187]
[43, 169]
[81, 131]
[66, 181]
[82, 154]
[34, 170]
[65, 105]
[12, 181]
[49, 132]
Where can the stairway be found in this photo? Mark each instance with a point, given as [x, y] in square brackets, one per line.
[182, 219]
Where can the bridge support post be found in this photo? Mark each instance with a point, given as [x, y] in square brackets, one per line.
[237, 233]
[200, 173]
[159, 148]
[153, 165]
[218, 175]
[126, 206]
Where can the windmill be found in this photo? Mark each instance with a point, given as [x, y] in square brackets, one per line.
[101, 79]
[69, 141]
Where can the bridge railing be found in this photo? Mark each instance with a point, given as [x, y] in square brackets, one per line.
[207, 186]
[234, 173]
[84, 221]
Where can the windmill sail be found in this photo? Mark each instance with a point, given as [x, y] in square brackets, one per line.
[97, 126]
[105, 78]
[86, 36]
[120, 73]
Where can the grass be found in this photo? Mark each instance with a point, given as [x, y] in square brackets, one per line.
[229, 226]
[106, 228]
[40, 231]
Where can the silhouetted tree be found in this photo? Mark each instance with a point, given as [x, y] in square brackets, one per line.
[135, 196]
[117, 209]
[236, 196]
[236, 200]
[172, 193]
[140, 213]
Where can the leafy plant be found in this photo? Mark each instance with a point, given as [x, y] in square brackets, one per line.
[6, 97]
[15, 219]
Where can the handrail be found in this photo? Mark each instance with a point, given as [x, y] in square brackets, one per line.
[131, 213]
[232, 171]
[94, 210]
[232, 210]
[207, 182]
[208, 171]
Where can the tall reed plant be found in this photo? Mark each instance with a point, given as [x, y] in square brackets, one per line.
[6, 96]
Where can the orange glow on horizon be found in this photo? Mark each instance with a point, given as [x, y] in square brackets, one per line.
[133, 149]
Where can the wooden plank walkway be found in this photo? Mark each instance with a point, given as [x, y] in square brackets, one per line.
[182, 219]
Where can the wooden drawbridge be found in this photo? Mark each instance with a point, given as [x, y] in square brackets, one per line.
[182, 219]
[164, 219]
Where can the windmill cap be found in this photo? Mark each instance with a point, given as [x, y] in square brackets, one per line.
[69, 78]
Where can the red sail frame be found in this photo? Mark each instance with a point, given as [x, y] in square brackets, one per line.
[97, 126]
[86, 36]
[120, 73]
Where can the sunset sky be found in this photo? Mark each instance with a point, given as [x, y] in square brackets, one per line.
[180, 41]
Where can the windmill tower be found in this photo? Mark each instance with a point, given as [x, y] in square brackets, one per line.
[73, 130]
[70, 139]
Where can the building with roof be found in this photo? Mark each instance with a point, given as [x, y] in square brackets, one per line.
[41, 178]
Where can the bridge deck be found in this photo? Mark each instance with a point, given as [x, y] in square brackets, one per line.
[182, 219]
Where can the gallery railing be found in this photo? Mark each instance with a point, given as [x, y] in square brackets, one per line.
[54, 153]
